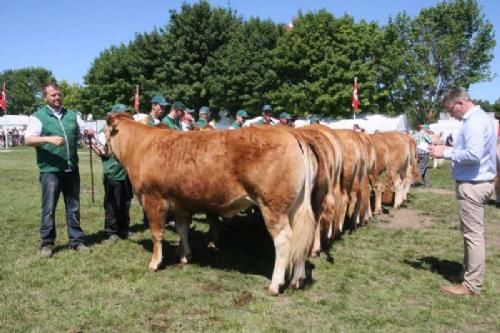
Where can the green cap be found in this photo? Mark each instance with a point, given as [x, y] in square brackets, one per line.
[204, 110]
[242, 113]
[159, 100]
[179, 105]
[119, 108]
[201, 123]
[190, 111]
[267, 107]
[285, 115]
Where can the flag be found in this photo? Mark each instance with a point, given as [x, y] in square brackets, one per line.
[3, 100]
[136, 99]
[355, 100]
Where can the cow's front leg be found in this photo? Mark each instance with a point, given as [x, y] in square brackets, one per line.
[155, 210]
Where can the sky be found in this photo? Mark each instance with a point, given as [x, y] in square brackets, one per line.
[65, 36]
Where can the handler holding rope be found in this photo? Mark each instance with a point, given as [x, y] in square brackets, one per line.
[53, 131]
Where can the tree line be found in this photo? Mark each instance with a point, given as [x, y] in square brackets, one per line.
[209, 55]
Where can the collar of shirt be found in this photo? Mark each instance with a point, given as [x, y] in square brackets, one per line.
[56, 111]
[470, 112]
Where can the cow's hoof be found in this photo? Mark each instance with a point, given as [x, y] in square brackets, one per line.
[315, 253]
[184, 260]
[153, 267]
[270, 291]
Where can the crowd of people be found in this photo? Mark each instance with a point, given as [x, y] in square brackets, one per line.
[13, 136]
[54, 132]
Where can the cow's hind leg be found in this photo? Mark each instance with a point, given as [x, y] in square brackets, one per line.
[281, 233]
[155, 210]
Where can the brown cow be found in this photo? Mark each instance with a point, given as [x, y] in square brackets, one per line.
[265, 166]
[399, 166]
[326, 191]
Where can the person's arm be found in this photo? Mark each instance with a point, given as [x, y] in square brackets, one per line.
[474, 144]
[33, 135]
[84, 128]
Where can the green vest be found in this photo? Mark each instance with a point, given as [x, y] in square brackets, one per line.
[52, 158]
[172, 123]
[236, 124]
[112, 169]
[151, 121]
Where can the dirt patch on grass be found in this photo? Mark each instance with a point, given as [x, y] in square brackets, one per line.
[404, 218]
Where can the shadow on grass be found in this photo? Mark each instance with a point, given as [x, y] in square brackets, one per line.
[446, 268]
[244, 246]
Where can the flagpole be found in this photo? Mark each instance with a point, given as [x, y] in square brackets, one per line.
[355, 95]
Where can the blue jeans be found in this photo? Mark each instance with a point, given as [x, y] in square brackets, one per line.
[52, 185]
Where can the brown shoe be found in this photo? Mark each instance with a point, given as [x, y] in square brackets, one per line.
[458, 289]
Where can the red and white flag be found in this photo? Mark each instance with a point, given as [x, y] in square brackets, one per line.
[355, 100]
[3, 100]
[136, 99]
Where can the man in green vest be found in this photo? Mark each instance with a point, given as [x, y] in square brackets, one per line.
[53, 131]
[204, 118]
[157, 113]
[286, 119]
[265, 119]
[172, 120]
[241, 116]
[117, 188]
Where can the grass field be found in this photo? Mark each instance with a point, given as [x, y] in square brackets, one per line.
[383, 278]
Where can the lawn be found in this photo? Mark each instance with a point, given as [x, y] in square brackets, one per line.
[382, 278]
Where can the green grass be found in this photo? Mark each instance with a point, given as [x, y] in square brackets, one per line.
[380, 280]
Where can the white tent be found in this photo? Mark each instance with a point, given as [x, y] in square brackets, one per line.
[372, 123]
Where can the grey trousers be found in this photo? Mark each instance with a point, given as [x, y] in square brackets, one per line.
[471, 200]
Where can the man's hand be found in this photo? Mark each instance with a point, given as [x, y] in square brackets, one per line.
[55, 140]
[436, 151]
[89, 132]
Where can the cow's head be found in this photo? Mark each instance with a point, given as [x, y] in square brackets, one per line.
[112, 121]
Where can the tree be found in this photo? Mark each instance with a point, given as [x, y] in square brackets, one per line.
[24, 88]
[240, 74]
[193, 36]
[318, 59]
[447, 45]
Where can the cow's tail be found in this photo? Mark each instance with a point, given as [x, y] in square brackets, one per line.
[303, 222]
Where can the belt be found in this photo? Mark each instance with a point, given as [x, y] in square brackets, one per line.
[474, 182]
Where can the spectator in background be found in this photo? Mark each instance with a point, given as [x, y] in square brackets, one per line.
[285, 119]
[473, 163]
[53, 131]
[158, 105]
[423, 140]
[241, 117]
[265, 119]
[187, 120]
[172, 120]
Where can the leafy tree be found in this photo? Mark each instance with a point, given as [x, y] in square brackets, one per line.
[447, 45]
[73, 95]
[240, 74]
[192, 37]
[24, 88]
[317, 62]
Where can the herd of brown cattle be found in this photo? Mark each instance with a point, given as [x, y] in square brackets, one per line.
[310, 183]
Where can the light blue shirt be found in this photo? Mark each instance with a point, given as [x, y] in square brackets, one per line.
[474, 155]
